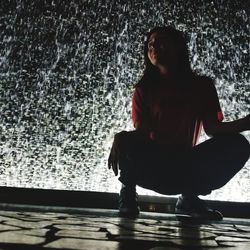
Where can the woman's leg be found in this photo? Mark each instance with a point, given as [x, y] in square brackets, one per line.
[133, 153]
[131, 147]
[214, 162]
[206, 167]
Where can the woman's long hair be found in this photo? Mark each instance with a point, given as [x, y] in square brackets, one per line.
[182, 71]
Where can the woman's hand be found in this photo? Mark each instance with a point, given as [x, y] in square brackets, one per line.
[116, 151]
[123, 143]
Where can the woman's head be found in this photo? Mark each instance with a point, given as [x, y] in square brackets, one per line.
[166, 46]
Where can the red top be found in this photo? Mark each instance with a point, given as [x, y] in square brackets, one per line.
[173, 114]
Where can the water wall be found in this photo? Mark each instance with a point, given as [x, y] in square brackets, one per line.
[67, 70]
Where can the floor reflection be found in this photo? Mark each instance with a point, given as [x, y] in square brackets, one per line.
[103, 229]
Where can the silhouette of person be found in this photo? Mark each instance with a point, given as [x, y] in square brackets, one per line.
[170, 105]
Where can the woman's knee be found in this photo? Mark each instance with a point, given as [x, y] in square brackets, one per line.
[240, 138]
[124, 141]
[234, 139]
[241, 142]
[231, 146]
[239, 145]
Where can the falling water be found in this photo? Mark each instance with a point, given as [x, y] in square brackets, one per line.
[67, 73]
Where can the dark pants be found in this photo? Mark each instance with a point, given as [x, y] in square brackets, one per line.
[199, 170]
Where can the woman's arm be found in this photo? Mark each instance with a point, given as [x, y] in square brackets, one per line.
[125, 139]
[140, 113]
[212, 114]
[214, 127]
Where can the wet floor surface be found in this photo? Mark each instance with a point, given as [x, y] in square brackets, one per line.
[103, 229]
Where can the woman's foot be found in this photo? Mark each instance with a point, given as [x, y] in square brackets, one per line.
[128, 202]
[196, 208]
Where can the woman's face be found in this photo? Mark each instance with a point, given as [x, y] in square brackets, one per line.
[162, 50]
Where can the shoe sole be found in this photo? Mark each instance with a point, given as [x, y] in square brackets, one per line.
[182, 215]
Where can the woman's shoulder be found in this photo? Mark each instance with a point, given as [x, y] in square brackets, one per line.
[142, 83]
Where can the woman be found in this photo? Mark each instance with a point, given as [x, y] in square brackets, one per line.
[169, 107]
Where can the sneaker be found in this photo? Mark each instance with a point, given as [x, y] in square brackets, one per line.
[128, 203]
[196, 209]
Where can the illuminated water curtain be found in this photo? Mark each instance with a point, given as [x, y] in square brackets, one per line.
[67, 74]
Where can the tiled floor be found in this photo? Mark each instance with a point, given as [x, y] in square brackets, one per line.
[89, 229]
